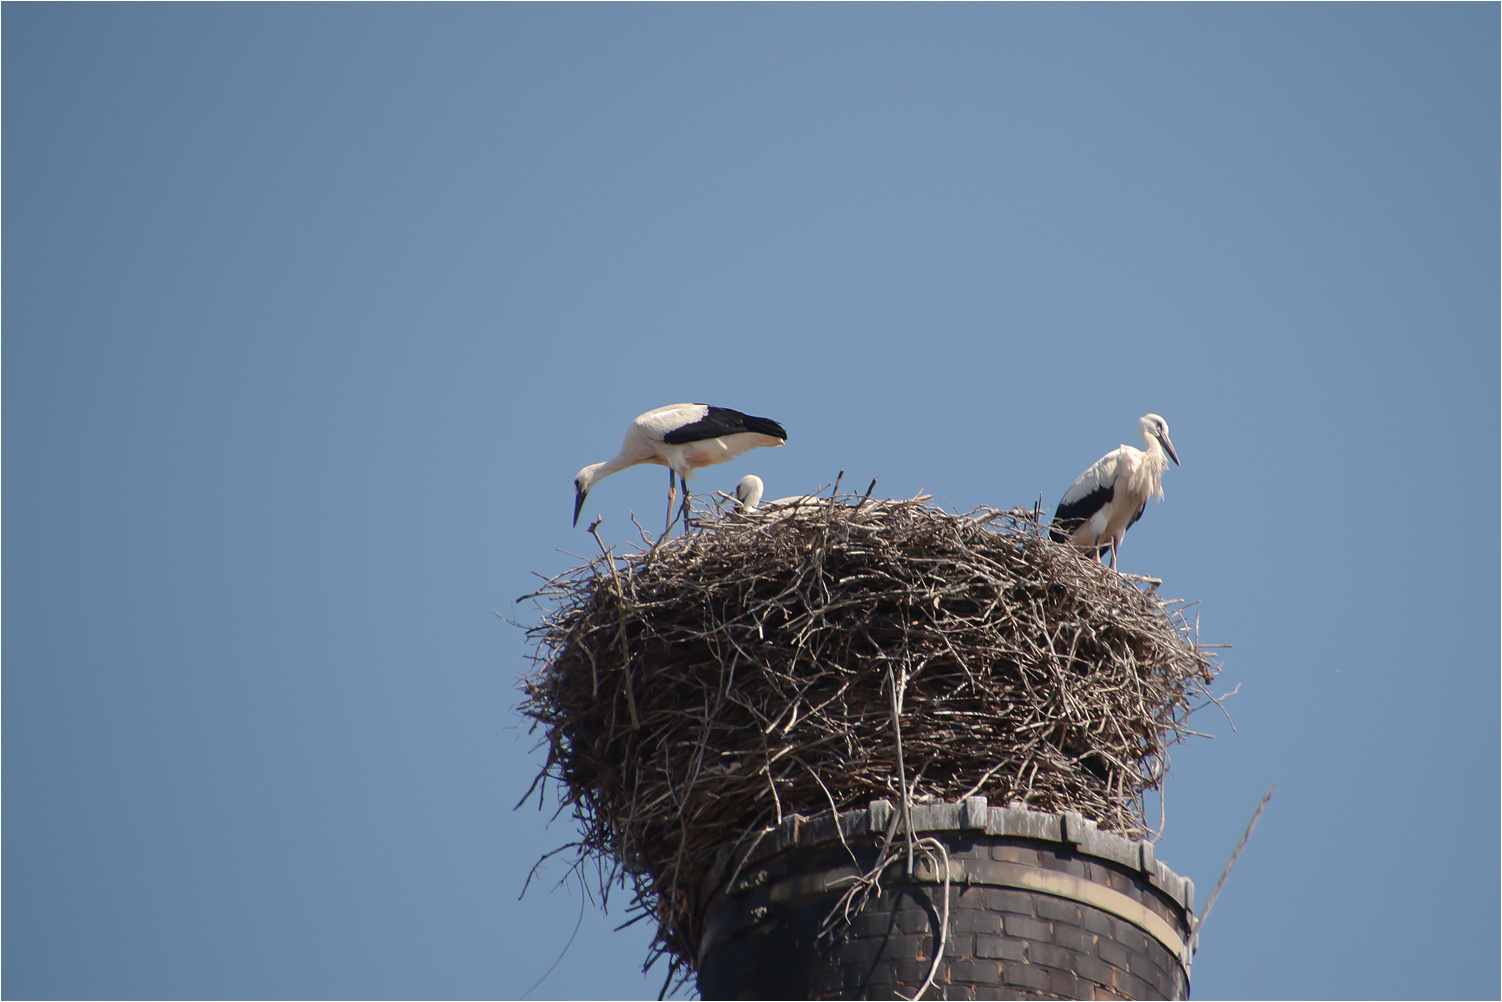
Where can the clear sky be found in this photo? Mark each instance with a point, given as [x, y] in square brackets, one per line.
[312, 312]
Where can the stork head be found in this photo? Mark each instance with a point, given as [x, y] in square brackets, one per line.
[582, 483]
[1153, 428]
[748, 492]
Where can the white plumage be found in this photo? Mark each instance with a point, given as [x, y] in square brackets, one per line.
[682, 437]
[749, 491]
[1110, 496]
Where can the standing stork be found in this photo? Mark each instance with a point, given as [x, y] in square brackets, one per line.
[1110, 496]
[682, 437]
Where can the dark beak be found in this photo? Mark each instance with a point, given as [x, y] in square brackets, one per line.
[579, 503]
[1168, 447]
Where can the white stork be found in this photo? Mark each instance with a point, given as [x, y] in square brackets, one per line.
[748, 496]
[1109, 497]
[682, 437]
[748, 493]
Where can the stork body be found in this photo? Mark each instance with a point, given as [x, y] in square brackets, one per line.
[1110, 496]
[682, 437]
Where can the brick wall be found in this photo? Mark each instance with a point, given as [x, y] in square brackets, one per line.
[1061, 911]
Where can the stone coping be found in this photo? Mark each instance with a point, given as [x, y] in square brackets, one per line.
[1075, 832]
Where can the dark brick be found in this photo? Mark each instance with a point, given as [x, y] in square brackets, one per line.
[985, 972]
[1064, 864]
[927, 929]
[1106, 995]
[1097, 922]
[1130, 937]
[914, 920]
[1156, 904]
[912, 972]
[963, 844]
[1028, 928]
[1065, 985]
[998, 947]
[859, 951]
[959, 944]
[1053, 956]
[999, 900]
[905, 948]
[1015, 854]
[964, 897]
[1073, 937]
[1134, 987]
[827, 981]
[871, 974]
[975, 921]
[1116, 881]
[1144, 967]
[874, 923]
[1025, 975]
[1112, 953]
[1058, 909]
[1095, 970]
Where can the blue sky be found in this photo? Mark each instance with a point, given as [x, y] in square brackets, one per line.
[312, 312]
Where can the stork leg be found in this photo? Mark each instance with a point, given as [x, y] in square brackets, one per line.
[684, 482]
[672, 496]
[1115, 542]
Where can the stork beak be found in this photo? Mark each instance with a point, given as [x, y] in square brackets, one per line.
[1168, 447]
[579, 504]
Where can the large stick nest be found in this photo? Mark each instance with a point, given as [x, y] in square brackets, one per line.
[702, 689]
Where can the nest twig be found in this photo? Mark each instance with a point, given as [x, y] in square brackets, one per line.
[697, 691]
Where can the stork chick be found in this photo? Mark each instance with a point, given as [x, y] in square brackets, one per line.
[748, 493]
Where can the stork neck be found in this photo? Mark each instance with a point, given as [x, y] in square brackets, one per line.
[1155, 453]
[599, 471]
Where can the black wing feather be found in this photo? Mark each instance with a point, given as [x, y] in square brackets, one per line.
[722, 421]
[1071, 515]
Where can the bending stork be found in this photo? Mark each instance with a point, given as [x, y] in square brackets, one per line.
[682, 437]
[1110, 496]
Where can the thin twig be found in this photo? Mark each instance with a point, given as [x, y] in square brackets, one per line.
[1199, 923]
